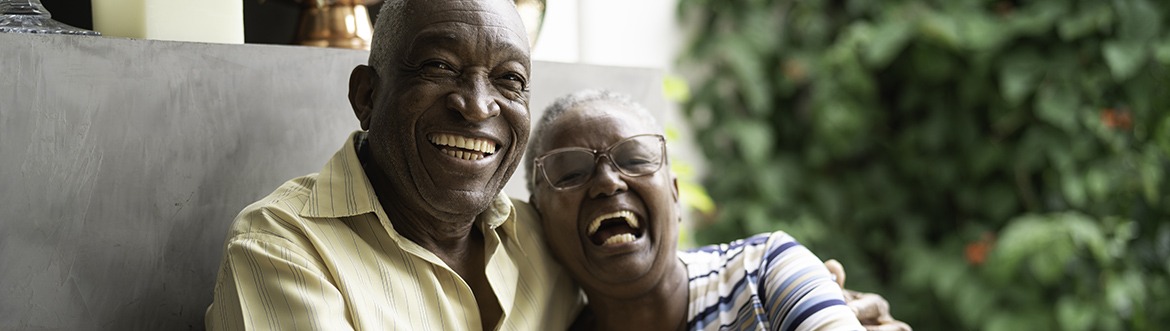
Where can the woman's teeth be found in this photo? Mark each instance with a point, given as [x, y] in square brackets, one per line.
[619, 239]
[614, 228]
[627, 215]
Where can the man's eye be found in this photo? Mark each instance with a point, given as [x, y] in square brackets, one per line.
[437, 68]
[437, 65]
[513, 81]
[514, 77]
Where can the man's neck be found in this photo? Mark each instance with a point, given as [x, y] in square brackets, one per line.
[448, 236]
[662, 308]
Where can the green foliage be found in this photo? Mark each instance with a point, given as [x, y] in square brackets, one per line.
[984, 165]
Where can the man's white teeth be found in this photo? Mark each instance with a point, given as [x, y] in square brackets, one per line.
[464, 155]
[619, 239]
[481, 145]
[627, 215]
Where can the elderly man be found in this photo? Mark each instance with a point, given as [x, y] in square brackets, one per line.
[405, 227]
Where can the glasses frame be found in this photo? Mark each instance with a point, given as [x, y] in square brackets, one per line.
[597, 154]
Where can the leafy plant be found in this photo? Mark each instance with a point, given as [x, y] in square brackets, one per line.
[995, 165]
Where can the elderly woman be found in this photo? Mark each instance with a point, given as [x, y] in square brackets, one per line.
[610, 211]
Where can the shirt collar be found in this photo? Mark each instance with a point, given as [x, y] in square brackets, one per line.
[342, 188]
[501, 214]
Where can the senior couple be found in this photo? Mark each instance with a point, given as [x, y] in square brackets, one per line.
[406, 228]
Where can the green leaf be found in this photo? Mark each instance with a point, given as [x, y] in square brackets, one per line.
[1162, 51]
[757, 219]
[1058, 105]
[887, 40]
[1162, 136]
[1097, 16]
[1018, 75]
[1048, 264]
[1123, 291]
[1021, 238]
[1097, 184]
[940, 28]
[1073, 315]
[1085, 233]
[1124, 58]
[1038, 17]
[748, 70]
[981, 32]
[755, 141]
[1074, 190]
[1138, 20]
[1152, 171]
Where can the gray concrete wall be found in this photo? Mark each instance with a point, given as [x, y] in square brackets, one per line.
[122, 162]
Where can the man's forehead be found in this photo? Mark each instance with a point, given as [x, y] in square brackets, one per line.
[497, 13]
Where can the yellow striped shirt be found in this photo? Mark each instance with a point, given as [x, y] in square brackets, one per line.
[319, 253]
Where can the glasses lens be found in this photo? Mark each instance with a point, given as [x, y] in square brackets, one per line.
[638, 156]
[566, 169]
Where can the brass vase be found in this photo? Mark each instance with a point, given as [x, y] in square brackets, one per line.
[335, 23]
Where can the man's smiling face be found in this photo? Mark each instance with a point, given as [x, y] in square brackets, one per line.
[449, 120]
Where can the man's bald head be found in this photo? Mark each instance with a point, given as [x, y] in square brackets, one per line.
[393, 18]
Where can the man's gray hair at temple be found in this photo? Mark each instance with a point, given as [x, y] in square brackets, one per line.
[385, 41]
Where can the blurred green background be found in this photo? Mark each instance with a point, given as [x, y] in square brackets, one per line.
[984, 165]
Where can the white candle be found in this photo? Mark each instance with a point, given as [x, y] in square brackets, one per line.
[217, 21]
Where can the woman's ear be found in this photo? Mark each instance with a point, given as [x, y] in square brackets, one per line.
[363, 83]
[674, 186]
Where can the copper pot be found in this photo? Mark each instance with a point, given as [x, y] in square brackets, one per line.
[335, 23]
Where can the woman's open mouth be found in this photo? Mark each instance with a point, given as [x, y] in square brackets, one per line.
[614, 228]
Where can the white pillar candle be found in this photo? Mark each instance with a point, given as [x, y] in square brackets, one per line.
[216, 21]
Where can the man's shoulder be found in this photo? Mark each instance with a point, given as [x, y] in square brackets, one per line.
[290, 196]
[278, 210]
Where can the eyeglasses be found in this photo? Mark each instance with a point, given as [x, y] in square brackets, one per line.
[571, 167]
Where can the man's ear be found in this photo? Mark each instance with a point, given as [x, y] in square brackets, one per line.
[363, 83]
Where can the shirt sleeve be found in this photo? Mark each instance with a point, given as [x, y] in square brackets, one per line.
[266, 283]
[799, 292]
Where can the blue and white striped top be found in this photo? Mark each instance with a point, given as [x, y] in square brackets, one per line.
[766, 282]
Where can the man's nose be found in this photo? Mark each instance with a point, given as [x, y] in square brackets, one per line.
[606, 181]
[473, 100]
